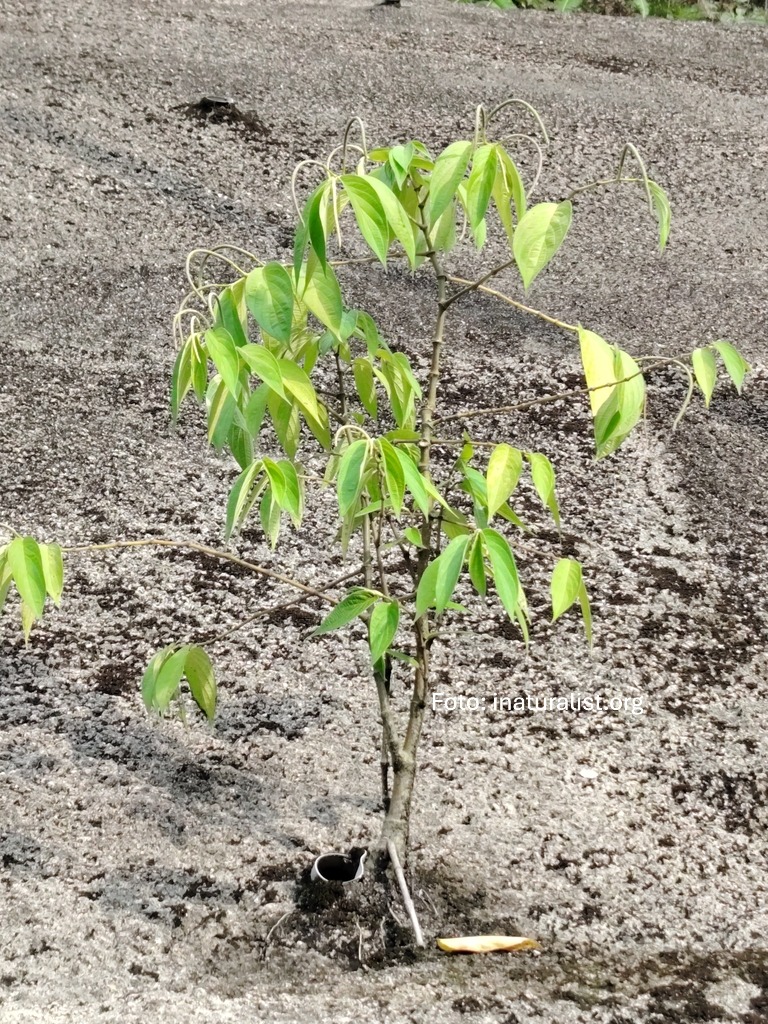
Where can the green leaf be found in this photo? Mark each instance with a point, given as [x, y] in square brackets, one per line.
[199, 362]
[414, 481]
[366, 388]
[566, 586]
[663, 212]
[202, 681]
[448, 171]
[586, 612]
[53, 570]
[322, 295]
[480, 183]
[369, 213]
[298, 384]
[566, 6]
[293, 493]
[270, 515]
[26, 565]
[393, 474]
[616, 410]
[5, 576]
[413, 535]
[476, 563]
[451, 561]
[538, 236]
[269, 295]
[308, 216]
[257, 406]
[355, 603]
[399, 159]
[382, 628]
[426, 590]
[504, 570]
[223, 352]
[351, 474]
[507, 187]
[544, 481]
[285, 419]
[504, 468]
[705, 368]
[242, 497]
[221, 412]
[181, 379]
[231, 311]
[397, 218]
[27, 620]
[736, 367]
[444, 230]
[163, 676]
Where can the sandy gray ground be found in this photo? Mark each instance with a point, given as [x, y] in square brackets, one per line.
[144, 866]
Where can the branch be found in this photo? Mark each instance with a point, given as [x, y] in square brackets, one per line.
[548, 399]
[473, 285]
[203, 550]
[512, 302]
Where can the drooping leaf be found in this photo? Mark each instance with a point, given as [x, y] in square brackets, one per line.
[399, 159]
[480, 182]
[414, 481]
[565, 586]
[163, 684]
[705, 369]
[393, 475]
[451, 561]
[448, 171]
[503, 473]
[322, 295]
[543, 475]
[5, 576]
[476, 564]
[53, 570]
[412, 534]
[736, 366]
[355, 603]
[538, 236]
[397, 218]
[349, 483]
[369, 213]
[269, 295]
[311, 229]
[597, 360]
[297, 384]
[242, 497]
[382, 628]
[181, 378]
[270, 514]
[231, 311]
[26, 565]
[221, 412]
[202, 680]
[223, 352]
[586, 612]
[366, 388]
[425, 593]
[504, 570]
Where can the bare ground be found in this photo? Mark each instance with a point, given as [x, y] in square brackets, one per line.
[158, 872]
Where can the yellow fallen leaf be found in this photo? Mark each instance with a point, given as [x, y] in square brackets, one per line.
[487, 944]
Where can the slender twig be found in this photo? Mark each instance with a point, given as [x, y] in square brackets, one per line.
[407, 901]
[473, 285]
[513, 302]
[267, 610]
[604, 183]
[546, 400]
[203, 550]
